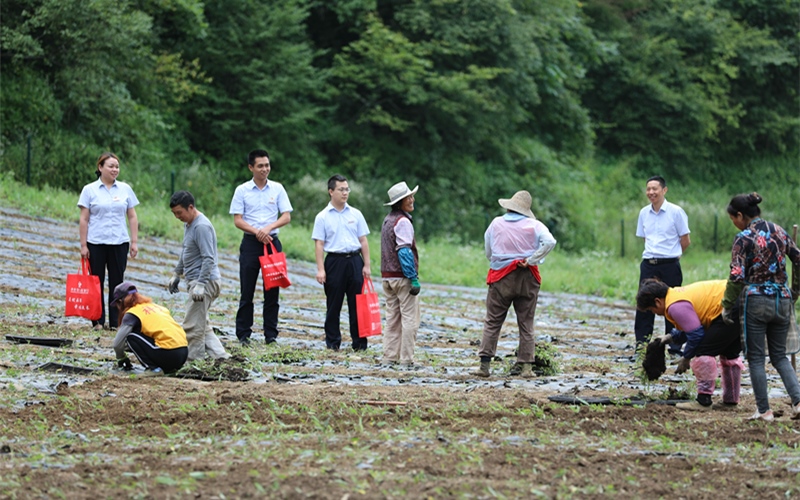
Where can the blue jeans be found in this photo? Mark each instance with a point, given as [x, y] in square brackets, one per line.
[767, 322]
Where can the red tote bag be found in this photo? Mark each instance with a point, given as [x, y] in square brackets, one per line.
[84, 295]
[368, 310]
[273, 269]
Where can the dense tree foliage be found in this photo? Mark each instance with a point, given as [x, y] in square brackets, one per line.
[472, 99]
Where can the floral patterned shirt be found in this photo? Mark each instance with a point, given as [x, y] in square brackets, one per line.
[758, 258]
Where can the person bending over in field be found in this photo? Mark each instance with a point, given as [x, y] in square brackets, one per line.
[154, 337]
[696, 312]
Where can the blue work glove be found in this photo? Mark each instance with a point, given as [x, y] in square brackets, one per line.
[415, 287]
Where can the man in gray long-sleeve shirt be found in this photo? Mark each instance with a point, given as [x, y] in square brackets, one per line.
[198, 264]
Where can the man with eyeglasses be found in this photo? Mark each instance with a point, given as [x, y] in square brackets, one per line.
[259, 207]
[341, 231]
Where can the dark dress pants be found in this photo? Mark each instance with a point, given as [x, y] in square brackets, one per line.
[249, 269]
[115, 258]
[671, 274]
[343, 277]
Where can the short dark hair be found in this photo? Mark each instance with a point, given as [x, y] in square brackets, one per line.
[256, 153]
[747, 204]
[659, 179]
[650, 290]
[334, 179]
[182, 198]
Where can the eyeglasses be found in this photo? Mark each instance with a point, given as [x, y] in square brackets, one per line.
[343, 190]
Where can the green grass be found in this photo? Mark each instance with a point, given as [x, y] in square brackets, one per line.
[442, 261]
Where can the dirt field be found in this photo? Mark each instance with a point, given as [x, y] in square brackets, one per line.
[311, 423]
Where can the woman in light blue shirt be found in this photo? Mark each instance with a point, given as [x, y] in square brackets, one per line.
[105, 205]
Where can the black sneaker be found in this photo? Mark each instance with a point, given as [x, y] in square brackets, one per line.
[270, 341]
[245, 342]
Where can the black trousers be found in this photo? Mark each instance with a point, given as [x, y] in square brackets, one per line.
[152, 356]
[671, 274]
[115, 258]
[343, 277]
[721, 339]
[249, 269]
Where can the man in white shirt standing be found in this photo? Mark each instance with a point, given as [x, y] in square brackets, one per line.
[665, 229]
[341, 231]
[259, 207]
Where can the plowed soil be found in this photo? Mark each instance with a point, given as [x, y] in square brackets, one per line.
[310, 423]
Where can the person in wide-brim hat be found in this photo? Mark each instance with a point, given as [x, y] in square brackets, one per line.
[515, 244]
[398, 192]
[519, 203]
[400, 277]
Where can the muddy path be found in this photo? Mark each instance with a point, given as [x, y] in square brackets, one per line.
[310, 423]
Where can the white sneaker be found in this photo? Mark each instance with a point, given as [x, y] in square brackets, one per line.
[767, 416]
[796, 412]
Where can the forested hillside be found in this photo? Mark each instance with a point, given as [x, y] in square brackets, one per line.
[576, 101]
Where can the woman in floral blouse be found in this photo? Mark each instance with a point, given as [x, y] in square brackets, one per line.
[758, 274]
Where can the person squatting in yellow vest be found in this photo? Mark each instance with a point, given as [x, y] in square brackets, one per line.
[696, 312]
[149, 330]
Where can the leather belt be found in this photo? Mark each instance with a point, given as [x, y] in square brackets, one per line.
[251, 236]
[345, 255]
[655, 262]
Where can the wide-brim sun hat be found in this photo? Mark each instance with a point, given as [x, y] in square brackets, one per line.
[123, 290]
[398, 192]
[520, 203]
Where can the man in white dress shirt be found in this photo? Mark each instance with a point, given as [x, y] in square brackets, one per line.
[259, 207]
[341, 231]
[665, 229]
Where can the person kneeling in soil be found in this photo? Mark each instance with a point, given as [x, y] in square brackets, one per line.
[156, 339]
[515, 244]
[696, 311]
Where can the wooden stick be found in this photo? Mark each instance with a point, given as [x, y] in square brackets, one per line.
[795, 286]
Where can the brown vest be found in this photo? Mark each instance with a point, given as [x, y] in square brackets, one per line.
[390, 262]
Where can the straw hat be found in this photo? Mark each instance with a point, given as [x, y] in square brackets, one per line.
[520, 203]
[398, 192]
[123, 290]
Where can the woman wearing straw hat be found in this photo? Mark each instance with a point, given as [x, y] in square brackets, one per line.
[149, 330]
[515, 243]
[399, 271]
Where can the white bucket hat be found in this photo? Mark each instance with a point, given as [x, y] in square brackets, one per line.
[520, 203]
[398, 192]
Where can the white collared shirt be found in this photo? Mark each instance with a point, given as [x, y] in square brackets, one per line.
[108, 209]
[662, 230]
[260, 207]
[340, 230]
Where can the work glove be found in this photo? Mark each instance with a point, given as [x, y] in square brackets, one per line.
[728, 316]
[665, 339]
[683, 365]
[198, 292]
[172, 286]
[125, 364]
[415, 287]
